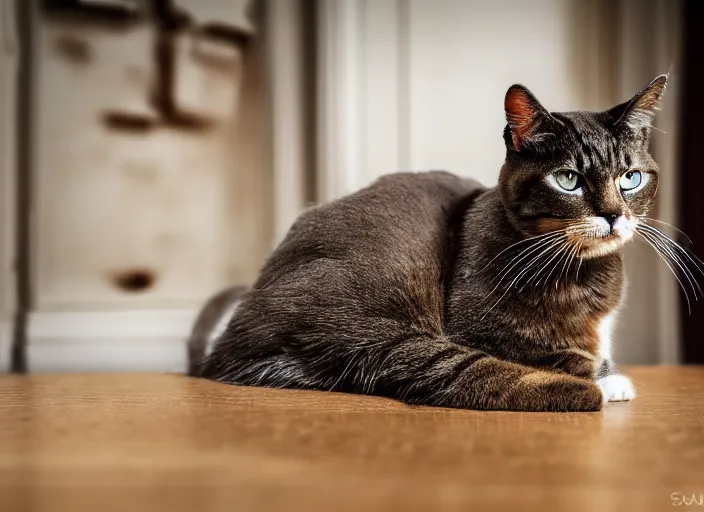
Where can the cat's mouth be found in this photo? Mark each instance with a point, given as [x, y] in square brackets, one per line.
[599, 246]
[589, 237]
[599, 236]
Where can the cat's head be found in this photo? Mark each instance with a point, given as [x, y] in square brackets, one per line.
[588, 175]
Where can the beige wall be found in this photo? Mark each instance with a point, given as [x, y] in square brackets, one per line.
[171, 202]
[403, 84]
[199, 208]
[134, 224]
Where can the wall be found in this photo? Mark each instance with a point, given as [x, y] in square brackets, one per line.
[418, 85]
[121, 190]
[192, 207]
[402, 84]
[150, 193]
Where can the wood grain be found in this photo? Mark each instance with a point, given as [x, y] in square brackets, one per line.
[169, 442]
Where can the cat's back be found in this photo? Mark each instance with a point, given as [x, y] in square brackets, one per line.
[399, 215]
[362, 270]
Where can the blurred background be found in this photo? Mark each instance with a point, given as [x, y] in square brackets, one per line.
[155, 151]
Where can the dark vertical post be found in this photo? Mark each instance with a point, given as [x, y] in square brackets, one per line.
[24, 10]
[692, 165]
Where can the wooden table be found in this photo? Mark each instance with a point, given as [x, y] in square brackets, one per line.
[168, 442]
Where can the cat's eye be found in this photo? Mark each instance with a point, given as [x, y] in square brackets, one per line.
[630, 180]
[566, 180]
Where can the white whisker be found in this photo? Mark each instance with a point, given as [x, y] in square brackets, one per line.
[677, 259]
[533, 238]
[689, 254]
[650, 219]
[511, 285]
[513, 263]
[558, 253]
[553, 248]
[568, 262]
[657, 251]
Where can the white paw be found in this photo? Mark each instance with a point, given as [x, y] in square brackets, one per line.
[616, 388]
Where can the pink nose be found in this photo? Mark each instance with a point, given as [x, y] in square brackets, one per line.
[622, 226]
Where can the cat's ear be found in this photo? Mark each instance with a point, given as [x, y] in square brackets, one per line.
[638, 113]
[528, 121]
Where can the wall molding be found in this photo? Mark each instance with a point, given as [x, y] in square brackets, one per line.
[339, 102]
[138, 340]
[658, 21]
[5, 346]
[363, 93]
[668, 15]
[286, 65]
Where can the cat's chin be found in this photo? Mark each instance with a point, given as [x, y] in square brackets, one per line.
[600, 247]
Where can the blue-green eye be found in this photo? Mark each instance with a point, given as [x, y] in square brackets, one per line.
[630, 180]
[567, 180]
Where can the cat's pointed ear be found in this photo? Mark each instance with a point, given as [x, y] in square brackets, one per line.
[638, 113]
[527, 119]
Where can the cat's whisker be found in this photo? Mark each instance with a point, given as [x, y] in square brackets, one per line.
[688, 253]
[534, 263]
[677, 259]
[536, 239]
[575, 250]
[524, 254]
[669, 266]
[557, 253]
[547, 252]
[562, 253]
[568, 262]
[579, 251]
[497, 286]
[650, 219]
[677, 253]
[540, 270]
[523, 271]
[568, 249]
[514, 262]
[525, 240]
[579, 265]
[682, 256]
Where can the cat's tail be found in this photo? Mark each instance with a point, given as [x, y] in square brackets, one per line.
[213, 317]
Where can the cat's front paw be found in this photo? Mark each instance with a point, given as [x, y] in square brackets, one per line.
[616, 388]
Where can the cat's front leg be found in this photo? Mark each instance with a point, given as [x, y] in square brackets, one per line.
[572, 361]
[614, 386]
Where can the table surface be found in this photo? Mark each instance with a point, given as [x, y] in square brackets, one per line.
[168, 442]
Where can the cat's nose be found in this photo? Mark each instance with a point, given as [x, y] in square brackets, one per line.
[611, 219]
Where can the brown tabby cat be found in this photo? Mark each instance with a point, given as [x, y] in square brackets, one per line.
[435, 290]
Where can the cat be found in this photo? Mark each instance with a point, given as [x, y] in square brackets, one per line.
[436, 290]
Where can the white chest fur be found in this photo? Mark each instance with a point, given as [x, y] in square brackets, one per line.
[605, 331]
[614, 387]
